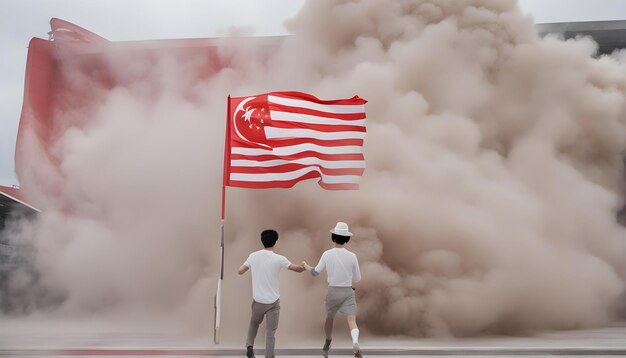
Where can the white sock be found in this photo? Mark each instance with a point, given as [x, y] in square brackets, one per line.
[355, 335]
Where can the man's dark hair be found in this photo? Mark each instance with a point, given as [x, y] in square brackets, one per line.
[340, 239]
[269, 238]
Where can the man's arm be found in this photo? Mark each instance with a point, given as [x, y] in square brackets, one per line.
[285, 263]
[295, 268]
[244, 268]
[356, 272]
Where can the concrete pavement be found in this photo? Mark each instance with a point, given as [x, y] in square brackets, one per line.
[55, 337]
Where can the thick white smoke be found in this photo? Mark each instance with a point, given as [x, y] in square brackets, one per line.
[494, 175]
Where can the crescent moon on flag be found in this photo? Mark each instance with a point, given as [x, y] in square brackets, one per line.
[240, 108]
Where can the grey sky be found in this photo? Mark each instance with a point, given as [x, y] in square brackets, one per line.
[119, 20]
[574, 10]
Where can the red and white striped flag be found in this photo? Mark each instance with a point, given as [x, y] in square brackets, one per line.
[276, 139]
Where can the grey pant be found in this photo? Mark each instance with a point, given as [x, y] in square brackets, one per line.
[260, 310]
[340, 299]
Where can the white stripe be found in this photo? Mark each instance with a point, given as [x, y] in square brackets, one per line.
[267, 177]
[311, 119]
[329, 108]
[299, 148]
[251, 151]
[330, 164]
[274, 133]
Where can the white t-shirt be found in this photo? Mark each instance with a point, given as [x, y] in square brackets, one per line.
[265, 266]
[342, 266]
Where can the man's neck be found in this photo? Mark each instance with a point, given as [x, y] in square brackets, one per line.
[337, 246]
[268, 249]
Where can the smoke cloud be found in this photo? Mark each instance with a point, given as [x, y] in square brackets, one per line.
[494, 176]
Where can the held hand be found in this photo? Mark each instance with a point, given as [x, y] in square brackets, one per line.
[298, 269]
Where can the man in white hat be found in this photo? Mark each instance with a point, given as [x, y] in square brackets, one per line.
[343, 269]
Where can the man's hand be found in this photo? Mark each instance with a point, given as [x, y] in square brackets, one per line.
[309, 268]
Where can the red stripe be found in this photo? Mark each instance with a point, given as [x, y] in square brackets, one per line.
[274, 184]
[279, 143]
[318, 127]
[342, 186]
[285, 168]
[313, 112]
[355, 100]
[128, 352]
[300, 155]
[290, 183]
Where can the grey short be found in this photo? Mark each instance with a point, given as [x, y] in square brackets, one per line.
[340, 299]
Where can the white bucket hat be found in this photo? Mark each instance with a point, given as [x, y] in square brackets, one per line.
[341, 229]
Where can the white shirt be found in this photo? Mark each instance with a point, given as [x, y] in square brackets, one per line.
[342, 266]
[265, 266]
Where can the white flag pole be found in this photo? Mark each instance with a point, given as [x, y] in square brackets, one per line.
[218, 293]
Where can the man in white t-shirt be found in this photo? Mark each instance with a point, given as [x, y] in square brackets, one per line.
[265, 266]
[342, 267]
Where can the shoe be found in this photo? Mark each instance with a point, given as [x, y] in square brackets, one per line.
[326, 347]
[357, 350]
[250, 352]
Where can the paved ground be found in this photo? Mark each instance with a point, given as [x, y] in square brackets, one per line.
[305, 352]
[64, 338]
[39, 355]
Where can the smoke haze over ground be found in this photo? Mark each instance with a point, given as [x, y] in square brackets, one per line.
[494, 175]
